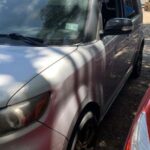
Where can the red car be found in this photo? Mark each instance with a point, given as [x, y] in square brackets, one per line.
[139, 136]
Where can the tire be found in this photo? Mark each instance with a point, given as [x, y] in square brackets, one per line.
[137, 66]
[83, 137]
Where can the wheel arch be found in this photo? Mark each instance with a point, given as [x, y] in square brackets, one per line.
[139, 49]
[92, 107]
[136, 71]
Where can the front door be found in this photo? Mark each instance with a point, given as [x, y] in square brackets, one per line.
[117, 53]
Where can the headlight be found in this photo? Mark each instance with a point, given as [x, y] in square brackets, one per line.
[139, 135]
[22, 114]
[140, 138]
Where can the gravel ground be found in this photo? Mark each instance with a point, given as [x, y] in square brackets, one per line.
[114, 128]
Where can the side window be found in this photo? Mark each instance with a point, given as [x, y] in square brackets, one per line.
[130, 8]
[110, 9]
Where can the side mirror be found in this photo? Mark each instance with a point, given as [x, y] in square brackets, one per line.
[117, 26]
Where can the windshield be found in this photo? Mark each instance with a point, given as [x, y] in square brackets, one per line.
[53, 21]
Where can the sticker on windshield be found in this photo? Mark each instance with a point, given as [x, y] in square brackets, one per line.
[72, 26]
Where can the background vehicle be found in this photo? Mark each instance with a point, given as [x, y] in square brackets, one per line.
[62, 64]
[139, 136]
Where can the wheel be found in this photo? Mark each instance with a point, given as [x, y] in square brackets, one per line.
[84, 136]
[137, 66]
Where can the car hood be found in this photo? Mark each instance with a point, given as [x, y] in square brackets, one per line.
[19, 64]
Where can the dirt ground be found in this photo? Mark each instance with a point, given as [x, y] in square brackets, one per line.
[114, 128]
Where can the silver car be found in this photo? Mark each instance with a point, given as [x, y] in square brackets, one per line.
[62, 64]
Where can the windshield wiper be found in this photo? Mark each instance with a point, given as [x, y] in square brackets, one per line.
[29, 40]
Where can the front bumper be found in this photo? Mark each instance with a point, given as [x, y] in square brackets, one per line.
[34, 137]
